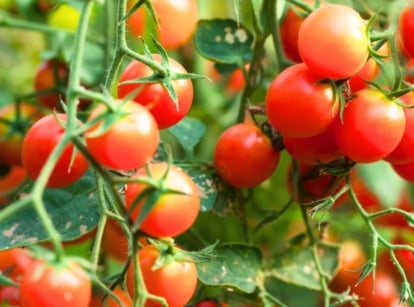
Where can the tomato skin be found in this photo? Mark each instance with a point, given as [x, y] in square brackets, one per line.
[11, 137]
[46, 285]
[373, 120]
[10, 296]
[310, 150]
[13, 177]
[113, 148]
[154, 96]
[298, 104]
[403, 153]
[182, 274]
[64, 17]
[210, 303]
[114, 241]
[244, 156]
[406, 30]
[50, 75]
[342, 50]
[171, 34]
[172, 214]
[40, 141]
[405, 171]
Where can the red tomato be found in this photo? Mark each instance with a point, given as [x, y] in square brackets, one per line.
[60, 285]
[406, 30]
[40, 141]
[12, 133]
[210, 303]
[51, 76]
[289, 31]
[115, 242]
[123, 296]
[244, 156]
[127, 143]
[153, 95]
[405, 171]
[182, 274]
[177, 21]
[10, 179]
[310, 150]
[172, 213]
[298, 104]
[10, 296]
[373, 120]
[332, 41]
[409, 71]
[404, 152]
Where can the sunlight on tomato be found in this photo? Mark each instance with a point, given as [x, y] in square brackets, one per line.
[64, 17]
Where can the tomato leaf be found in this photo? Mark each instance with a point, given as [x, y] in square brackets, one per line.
[206, 186]
[188, 133]
[223, 41]
[382, 180]
[295, 265]
[73, 210]
[6, 281]
[232, 265]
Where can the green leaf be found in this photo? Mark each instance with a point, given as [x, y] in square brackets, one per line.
[224, 41]
[188, 133]
[382, 180]
[73, 210]
[295, 264]
[233, 265]
[7, 281]
[206, 186]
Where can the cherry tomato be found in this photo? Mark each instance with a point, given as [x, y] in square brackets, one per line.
[158, 281]
[406, 30]
[210, 303]
[289, 31]
[122, 295]
[373, 120]
[332, 41]
[405, 171]
[298, 104]
[409, 71]
[172, 213]
[51, 77]
[38, 144]
[10, 179]
[114, 241]
[310, 150]
[17, 120]
[64, 17]
[62, 285]
[44, 5]
[126, 142]
[153, 95]
[177, 21]
[403, 153]
[10, 296]
[244, 156]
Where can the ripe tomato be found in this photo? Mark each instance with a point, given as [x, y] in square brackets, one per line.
[172, 213]
[127, 143]
[210, 303]
[298, 104]
[48, 285]
[244, 156]
[114, 241]
[373, 120]
[405, 171]
[40, 141]
[44, 5]
[51, 76]
[10, 179]
[332, 41]
[409, 71]
[176, 281]
[153, 95]
[12, 133]
[289, 31]
[406, 29]
[123, 296]
[64, 17]
[403, 153]
[177, 21]
[310, 150]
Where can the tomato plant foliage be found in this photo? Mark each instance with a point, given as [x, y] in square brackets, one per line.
[137, 181]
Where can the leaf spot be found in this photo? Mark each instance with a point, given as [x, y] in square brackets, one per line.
[68, 224]
[241, 35]
[83, 229]
[217, 38]
[9, 232]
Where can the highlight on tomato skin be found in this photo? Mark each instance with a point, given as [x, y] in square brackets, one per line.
[244, 156]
